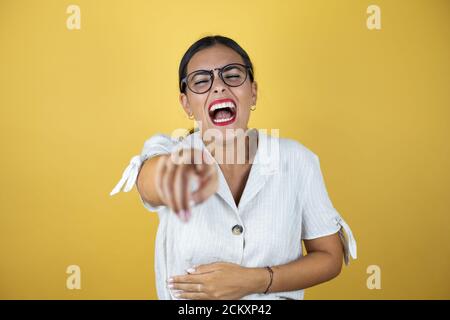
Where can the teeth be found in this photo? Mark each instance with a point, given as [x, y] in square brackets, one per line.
[222, 106]
[222, 120]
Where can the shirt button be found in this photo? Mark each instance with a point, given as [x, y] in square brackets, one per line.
[237, 230]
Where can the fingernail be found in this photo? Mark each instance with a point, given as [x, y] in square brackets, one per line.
[190, 270]
[182, 215]
[188, 214]
[170, 280]
[191, 203]
[170, 286]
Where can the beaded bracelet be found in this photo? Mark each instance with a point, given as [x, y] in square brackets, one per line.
[271, 278]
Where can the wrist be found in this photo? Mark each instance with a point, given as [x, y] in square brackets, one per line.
[259, 279]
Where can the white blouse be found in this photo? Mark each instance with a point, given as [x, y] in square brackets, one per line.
[284, 201]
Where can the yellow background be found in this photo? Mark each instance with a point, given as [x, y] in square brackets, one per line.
[75, 106]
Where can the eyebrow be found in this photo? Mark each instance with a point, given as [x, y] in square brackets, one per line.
[215, 68]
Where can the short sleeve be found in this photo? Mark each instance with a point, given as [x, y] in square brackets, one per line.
[319, 217]
[156, 145]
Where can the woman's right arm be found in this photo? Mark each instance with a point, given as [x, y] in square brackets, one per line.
[146, 179]
[162, 181]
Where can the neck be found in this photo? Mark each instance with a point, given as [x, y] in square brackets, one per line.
[236, 151]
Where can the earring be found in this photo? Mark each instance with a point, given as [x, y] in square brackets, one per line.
[191, 116]
[253, 107]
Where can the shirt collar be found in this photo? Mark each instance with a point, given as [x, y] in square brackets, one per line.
[265, 164]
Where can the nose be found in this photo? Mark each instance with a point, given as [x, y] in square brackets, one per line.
[218, 85]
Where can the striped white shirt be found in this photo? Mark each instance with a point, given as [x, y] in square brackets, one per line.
[284, 201]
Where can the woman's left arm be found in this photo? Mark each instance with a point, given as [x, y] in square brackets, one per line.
[223, 280]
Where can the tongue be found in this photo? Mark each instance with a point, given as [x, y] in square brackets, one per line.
[222, 114]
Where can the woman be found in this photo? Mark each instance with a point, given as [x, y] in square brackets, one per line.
[238, 233]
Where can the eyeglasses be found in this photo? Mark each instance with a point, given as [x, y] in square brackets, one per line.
[201, 81]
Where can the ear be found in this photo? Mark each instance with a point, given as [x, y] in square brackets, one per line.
[185, 103]
[254, 92]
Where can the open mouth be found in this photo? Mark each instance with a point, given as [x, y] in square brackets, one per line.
[222, 112]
